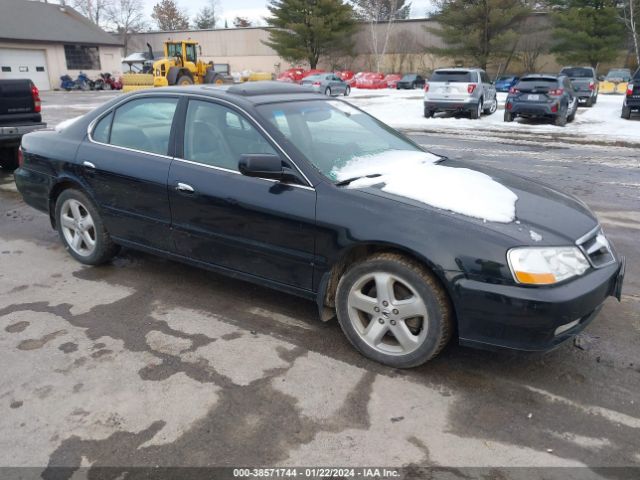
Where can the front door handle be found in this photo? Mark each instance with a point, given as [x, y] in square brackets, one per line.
[183, 187]
[89, 165]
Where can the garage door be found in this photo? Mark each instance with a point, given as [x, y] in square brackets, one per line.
[22, 63]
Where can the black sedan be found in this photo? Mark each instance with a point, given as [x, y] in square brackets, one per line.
[309, 195]
[542, 96]
[410, 81]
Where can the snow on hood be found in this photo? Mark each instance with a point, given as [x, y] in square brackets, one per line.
[415, 175]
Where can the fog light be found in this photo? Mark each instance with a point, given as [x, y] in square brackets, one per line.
[566, 326]
[554, 108]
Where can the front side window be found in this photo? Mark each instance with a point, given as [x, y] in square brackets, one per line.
[216, 135]
[331, 134]
[174, 50]
[82, 57]
[191, 53]
[144, 124]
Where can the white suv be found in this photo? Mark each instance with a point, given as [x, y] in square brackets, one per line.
[462, 90]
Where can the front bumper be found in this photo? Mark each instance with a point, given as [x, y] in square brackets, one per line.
[14, 133]
[532, 318]
[450, 106]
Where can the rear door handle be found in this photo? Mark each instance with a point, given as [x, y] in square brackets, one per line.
[89, 165]
[183, 187]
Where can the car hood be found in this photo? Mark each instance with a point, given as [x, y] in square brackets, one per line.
[544, 216]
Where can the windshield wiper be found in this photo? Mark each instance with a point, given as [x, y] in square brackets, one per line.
[349, 180]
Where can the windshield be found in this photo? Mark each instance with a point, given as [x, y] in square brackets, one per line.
[505, 79]
[577, 72]
[451, 76]
[409, 77]
[332, 133]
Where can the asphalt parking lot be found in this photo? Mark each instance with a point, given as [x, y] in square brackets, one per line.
[147, 362]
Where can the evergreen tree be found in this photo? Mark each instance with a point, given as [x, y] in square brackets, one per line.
[586, 31]
[168, 16]
[309, 29]
[479, 31]
[207, 17]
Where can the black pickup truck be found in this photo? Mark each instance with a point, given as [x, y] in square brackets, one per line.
[19, 114]
[632, 98]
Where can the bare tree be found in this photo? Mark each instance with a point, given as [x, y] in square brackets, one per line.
[380, 13]
[94, 10]
[630, 14]
[127, 17]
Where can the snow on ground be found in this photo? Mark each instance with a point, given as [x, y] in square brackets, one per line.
[404, 109]
[414, 175]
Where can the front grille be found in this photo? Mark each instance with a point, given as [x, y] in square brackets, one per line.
[596, 248]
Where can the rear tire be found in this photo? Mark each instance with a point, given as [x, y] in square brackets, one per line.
[347, 91]
[477, 112]
[589, 102]
[428, 113]
[560, 120]
[394, 311]
[9, 158]
[77, 217]
[508, 117]
[626, 113]
[327, 92]
[492, 108]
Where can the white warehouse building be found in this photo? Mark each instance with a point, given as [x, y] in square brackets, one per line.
[43, 41]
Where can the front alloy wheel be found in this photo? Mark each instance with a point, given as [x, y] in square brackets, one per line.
[393, 311]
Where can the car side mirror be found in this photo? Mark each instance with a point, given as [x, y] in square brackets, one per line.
[601, 78]
[264, 165]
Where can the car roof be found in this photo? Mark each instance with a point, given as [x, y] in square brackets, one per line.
[457, 69]
[542, 75]
[250, 92]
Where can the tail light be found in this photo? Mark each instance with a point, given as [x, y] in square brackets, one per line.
[592, 86]
[317, 84]
[20, 157]
[514, 90]
[426, 87]
[629, 89]
[509, 106]
[471, 88]
[556, 92]
[37, 104]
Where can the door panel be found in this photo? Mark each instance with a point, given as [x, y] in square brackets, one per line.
[250, 225]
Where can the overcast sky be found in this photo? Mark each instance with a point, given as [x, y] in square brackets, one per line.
[255, 10]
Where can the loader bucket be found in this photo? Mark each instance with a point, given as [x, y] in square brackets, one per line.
[136, 81]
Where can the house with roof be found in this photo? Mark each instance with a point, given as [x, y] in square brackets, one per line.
[42, 41]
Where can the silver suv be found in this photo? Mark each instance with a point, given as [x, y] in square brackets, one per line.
[460, 90]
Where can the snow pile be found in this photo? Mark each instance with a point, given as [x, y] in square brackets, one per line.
[458, 190]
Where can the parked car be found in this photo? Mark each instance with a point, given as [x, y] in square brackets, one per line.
[615, 81]
[392, 80]
[505, 82]
[542, 96]
[410, 81]
[20, 109]
[585, 83]
[632, 98]
[327, 83]
[371, 81]
[292, 75]
[270, 183]
[461, 90]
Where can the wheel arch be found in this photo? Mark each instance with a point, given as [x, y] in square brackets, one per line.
[357, 253]
[60, 186]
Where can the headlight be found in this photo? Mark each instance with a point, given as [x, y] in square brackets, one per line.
[546, 265]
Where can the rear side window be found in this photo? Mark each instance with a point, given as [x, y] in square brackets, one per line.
[452, 76]
[103, 129]
[636, 76]
[144, 124]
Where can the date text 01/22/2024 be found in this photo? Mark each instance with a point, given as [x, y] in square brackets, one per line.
[316, 472]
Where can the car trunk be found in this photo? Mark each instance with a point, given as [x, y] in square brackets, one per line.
[451, 85]
[535, 92]
[17, 103]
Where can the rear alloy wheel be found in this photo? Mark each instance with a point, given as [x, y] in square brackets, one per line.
[347, 91]
[81, 229]
[492, 107]
[508, 117]
[477, 112]
[626, 113]
[394, 311]
[327, 92]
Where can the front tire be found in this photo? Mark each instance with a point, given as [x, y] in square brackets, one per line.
[81, 229]
[327, 92]
[394, 311]
[347, 91]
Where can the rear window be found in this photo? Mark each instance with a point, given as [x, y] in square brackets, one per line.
[577, 72]
[531, 83]
[452, 76]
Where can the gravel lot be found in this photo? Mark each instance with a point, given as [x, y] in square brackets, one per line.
[148, 362]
